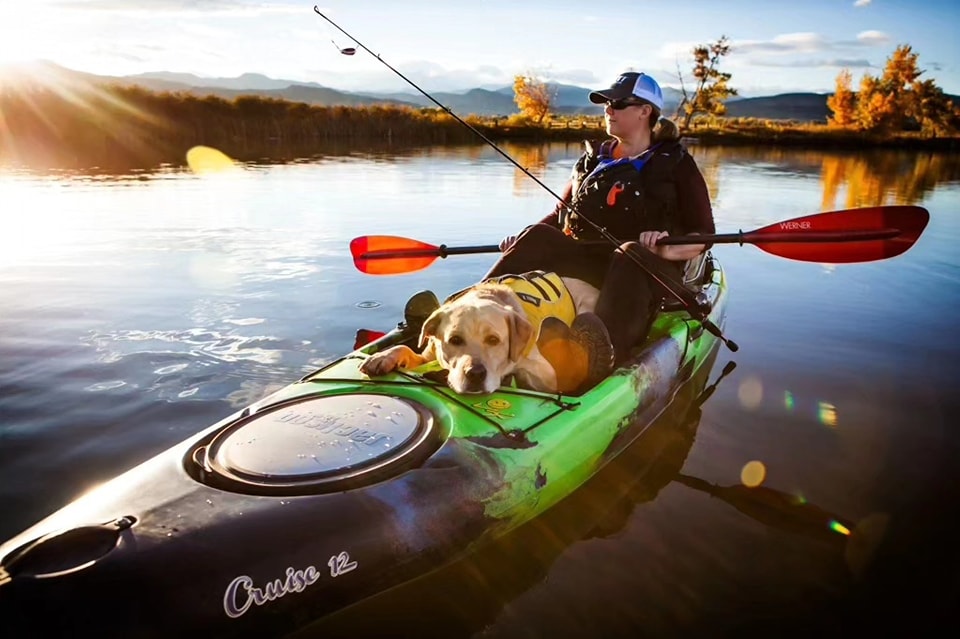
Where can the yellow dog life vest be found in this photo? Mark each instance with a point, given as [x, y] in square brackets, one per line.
[542, 294]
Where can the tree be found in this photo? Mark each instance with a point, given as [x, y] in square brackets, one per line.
[534, 97]
[711, 87]
[935, 113]
[843, 102]
[896, 101]
[876, 107]
[901, 69]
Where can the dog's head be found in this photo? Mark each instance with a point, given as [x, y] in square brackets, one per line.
[479, 338]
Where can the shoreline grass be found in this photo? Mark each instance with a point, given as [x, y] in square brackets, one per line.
[729, 131]
[134, 127]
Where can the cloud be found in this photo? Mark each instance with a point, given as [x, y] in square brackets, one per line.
[575, 76]
[110, 53]
[434, 77]
[872, 38]
[427, 74]
[806, 50]
[861, 3]
[179, 7]
[156, 6]
[807, 42]
[784, 43]
[814, 63]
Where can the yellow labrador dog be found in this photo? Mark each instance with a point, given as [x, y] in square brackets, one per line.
[490, 330]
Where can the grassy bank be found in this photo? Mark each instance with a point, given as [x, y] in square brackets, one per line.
[132, 127]
[730, 131]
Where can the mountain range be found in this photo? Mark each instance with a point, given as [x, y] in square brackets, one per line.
[568, 99]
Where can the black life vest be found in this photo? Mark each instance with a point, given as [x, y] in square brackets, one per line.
[627, 196]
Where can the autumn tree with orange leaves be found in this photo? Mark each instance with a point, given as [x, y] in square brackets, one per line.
[843, 102]
[896, 101]
[533, 96]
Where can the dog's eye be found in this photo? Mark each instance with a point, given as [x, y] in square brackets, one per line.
[491, 340]
[455, 340]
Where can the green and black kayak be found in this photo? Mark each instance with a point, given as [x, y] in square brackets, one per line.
[331, 490]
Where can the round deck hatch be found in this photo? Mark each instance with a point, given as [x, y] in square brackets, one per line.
[321, 443]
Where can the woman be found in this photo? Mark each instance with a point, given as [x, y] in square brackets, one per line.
[640, 185]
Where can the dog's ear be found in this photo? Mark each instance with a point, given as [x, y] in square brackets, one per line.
[502, 295]
[521, 333]
[430, 326]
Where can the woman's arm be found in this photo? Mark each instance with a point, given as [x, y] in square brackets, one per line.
[694, 214]
[674, 253]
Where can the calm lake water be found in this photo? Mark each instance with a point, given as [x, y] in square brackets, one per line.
[138, 309]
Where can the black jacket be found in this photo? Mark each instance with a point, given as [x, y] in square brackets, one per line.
[628, 196]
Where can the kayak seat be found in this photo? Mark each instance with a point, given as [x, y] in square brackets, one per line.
[417, 309]
[696, 273]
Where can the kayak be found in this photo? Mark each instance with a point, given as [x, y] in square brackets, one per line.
[602, 508]
[334, 489]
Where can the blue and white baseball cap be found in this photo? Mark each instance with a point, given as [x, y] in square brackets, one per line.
[631, 84]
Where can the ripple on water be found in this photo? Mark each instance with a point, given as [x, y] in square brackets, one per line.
[114, 345]
[191, 364]
[276, 271]
[167, 370]
[102, 386]
[244, 321]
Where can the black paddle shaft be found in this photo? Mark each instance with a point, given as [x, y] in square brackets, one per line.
[802, 236]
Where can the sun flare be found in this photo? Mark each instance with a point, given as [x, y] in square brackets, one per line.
[18, 41]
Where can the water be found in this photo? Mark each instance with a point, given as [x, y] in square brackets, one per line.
[137, 309]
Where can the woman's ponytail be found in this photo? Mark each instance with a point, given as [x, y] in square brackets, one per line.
[665, 130]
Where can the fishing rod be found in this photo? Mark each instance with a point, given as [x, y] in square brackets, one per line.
[477, 132]
[683, 295]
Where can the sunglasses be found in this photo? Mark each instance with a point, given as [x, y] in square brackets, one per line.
[623, 103]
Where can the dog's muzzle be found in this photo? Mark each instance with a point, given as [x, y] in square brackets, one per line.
[475, 376]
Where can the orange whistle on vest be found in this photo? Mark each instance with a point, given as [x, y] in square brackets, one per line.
[614, 191]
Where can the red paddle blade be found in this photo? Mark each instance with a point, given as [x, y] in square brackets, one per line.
[845, 227]
[364, 336]
[390, 255]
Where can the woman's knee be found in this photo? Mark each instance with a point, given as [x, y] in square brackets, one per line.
[630, 252]
[541, 237]
[540, 232]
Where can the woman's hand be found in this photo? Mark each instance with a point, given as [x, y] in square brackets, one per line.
[507, 242]
[674, 253]
[648, 239]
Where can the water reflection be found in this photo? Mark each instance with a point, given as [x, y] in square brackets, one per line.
[853, 409]
[896, 177]
[471, 597]
[850, 178]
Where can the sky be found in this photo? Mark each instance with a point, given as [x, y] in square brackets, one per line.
[449, 45]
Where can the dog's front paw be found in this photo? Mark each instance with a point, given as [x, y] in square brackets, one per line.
[380, 363]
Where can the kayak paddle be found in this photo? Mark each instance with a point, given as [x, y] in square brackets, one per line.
[834, 237]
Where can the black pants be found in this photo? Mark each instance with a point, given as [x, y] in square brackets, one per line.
[629, 296]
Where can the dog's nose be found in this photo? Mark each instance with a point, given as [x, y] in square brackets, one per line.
[476, 373]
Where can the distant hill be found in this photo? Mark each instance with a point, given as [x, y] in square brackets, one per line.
[474, 101]
[49, 73]
[569, 99]
[245, 81]
[575, 99]
[805, 107]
